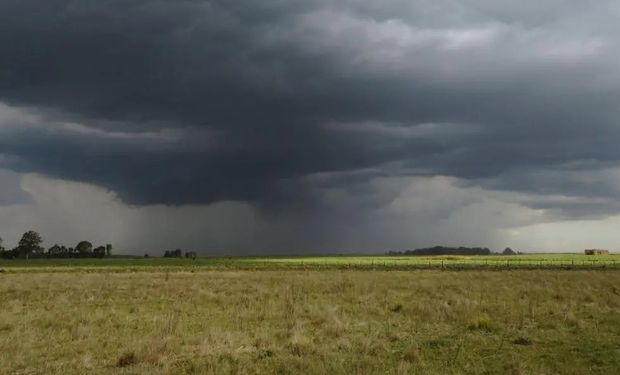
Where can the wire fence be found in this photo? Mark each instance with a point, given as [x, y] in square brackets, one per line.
[441, 264]
[335, 263]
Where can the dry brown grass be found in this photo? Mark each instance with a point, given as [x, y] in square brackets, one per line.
[317, 322]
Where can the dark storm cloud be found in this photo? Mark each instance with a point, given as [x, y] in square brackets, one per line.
[193, 166]
[261, 95]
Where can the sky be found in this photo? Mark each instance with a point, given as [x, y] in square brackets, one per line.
[310, 126]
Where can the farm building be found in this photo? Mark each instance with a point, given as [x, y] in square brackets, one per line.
[596, 252]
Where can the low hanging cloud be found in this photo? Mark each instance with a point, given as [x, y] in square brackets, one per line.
[381, 214]
[67, 212]
[278, 107]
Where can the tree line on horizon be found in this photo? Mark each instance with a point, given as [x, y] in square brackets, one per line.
[447, 250]
[29, 246]
[178, 253]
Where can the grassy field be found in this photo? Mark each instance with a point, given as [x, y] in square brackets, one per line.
[317, 322]
[544, 261]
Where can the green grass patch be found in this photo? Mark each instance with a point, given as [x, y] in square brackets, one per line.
[529, 261]
[312, 321]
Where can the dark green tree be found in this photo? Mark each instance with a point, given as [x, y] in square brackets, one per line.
[3, 252]
[30, 244]
[99, 252]
[508, 251]
[64, 252]
[84, 248]
[54, 251]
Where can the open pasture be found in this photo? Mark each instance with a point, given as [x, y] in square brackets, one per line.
[316, 322]
[494, 262]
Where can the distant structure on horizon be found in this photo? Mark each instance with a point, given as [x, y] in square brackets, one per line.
[596, 252]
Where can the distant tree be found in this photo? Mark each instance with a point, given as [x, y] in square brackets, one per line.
[508, 251]
[99, 252]
[146, 255]
[3, 252]
[54, 251]
[446, 250]
[30, 244]
[173, 253]
[84, 248]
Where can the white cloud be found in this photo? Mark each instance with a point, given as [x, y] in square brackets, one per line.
[570, 236]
